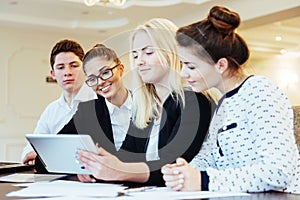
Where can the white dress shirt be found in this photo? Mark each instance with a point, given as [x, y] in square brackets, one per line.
[120, 120]
[152, 148]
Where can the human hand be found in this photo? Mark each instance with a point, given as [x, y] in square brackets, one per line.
[182, 177]
[103, 165]
[86, 178]
[29, 158]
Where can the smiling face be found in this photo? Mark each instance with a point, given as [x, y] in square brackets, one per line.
[107, 88]
[68, 72]
[146, 60]
[199, 74]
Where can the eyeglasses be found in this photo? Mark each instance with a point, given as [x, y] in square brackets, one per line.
[104, 75]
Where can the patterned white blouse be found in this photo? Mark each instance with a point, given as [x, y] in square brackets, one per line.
[251, 146]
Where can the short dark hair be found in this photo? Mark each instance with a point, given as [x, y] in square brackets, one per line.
[66, 46]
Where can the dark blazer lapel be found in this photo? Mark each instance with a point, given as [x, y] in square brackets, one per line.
[103, 117]
[168, 121]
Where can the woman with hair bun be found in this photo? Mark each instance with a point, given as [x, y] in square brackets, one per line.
[250, 145]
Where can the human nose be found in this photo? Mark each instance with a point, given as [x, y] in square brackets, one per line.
[184, 73]
[100, 81]
[68, 71]
[140, 61]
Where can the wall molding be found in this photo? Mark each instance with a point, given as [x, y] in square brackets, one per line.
[11, 149]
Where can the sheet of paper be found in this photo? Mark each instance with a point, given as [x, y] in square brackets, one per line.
[84, 198]
[68, 188]
[59, 189]
[30, 178]
[166, 194]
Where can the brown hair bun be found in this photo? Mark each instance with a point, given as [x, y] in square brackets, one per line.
[224, 20]
[99, 46]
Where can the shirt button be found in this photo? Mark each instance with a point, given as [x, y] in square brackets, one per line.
[224, 128]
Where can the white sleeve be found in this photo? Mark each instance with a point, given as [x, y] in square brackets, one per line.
[41, 127]
[270, 120]
[204, 158]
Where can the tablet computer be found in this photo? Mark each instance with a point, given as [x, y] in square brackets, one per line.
[58, 153]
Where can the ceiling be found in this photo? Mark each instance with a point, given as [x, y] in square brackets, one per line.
[263, 20]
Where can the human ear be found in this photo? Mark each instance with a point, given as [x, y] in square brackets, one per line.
[121, 68]
[222, 65]
[52, 74]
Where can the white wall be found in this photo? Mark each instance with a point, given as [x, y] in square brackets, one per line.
[284, 70]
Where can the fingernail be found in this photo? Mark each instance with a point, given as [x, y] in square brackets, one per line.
[175, 172]
[180, 181]
[180, 176]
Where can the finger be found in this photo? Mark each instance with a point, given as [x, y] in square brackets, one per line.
[29, 156]
[31, 162]
[86, 157]
[181, 162]
[84, 153]
[25, 161]
[166, 170]
[170, 177]
[178, 187]
[171, 184]
[173, 178]
[92, 163]
[86, 160]
[84, 178]
[168, 165]
[103, 152]
[175, 185]
[80, 177]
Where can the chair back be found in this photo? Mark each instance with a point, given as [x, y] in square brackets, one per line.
[296, 110]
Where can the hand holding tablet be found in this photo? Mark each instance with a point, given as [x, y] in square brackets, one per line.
[59, 152]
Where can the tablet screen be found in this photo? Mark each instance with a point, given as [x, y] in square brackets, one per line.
[59, 152]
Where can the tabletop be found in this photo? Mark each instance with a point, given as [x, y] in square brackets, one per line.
[9, 187]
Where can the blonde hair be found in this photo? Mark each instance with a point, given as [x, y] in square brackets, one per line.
[146, 102]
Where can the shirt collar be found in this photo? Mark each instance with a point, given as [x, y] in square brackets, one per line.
[127, 104]
[231, 93]
[85, 93]
[62, 100]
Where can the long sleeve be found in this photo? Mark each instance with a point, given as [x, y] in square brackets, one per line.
[41, 127]
[254, 147]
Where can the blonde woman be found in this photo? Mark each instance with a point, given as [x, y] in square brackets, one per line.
[167, 120]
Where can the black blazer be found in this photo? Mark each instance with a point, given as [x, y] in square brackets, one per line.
[92, 118]
[182, 132]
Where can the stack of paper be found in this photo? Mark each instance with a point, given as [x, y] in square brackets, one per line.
[30, 178]
[58, 190]
[68, 189]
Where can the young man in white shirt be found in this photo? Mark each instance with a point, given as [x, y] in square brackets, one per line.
[66, 68]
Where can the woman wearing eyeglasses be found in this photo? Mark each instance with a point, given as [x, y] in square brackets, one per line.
[104, 72]
[167, 121]
[106, 118]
